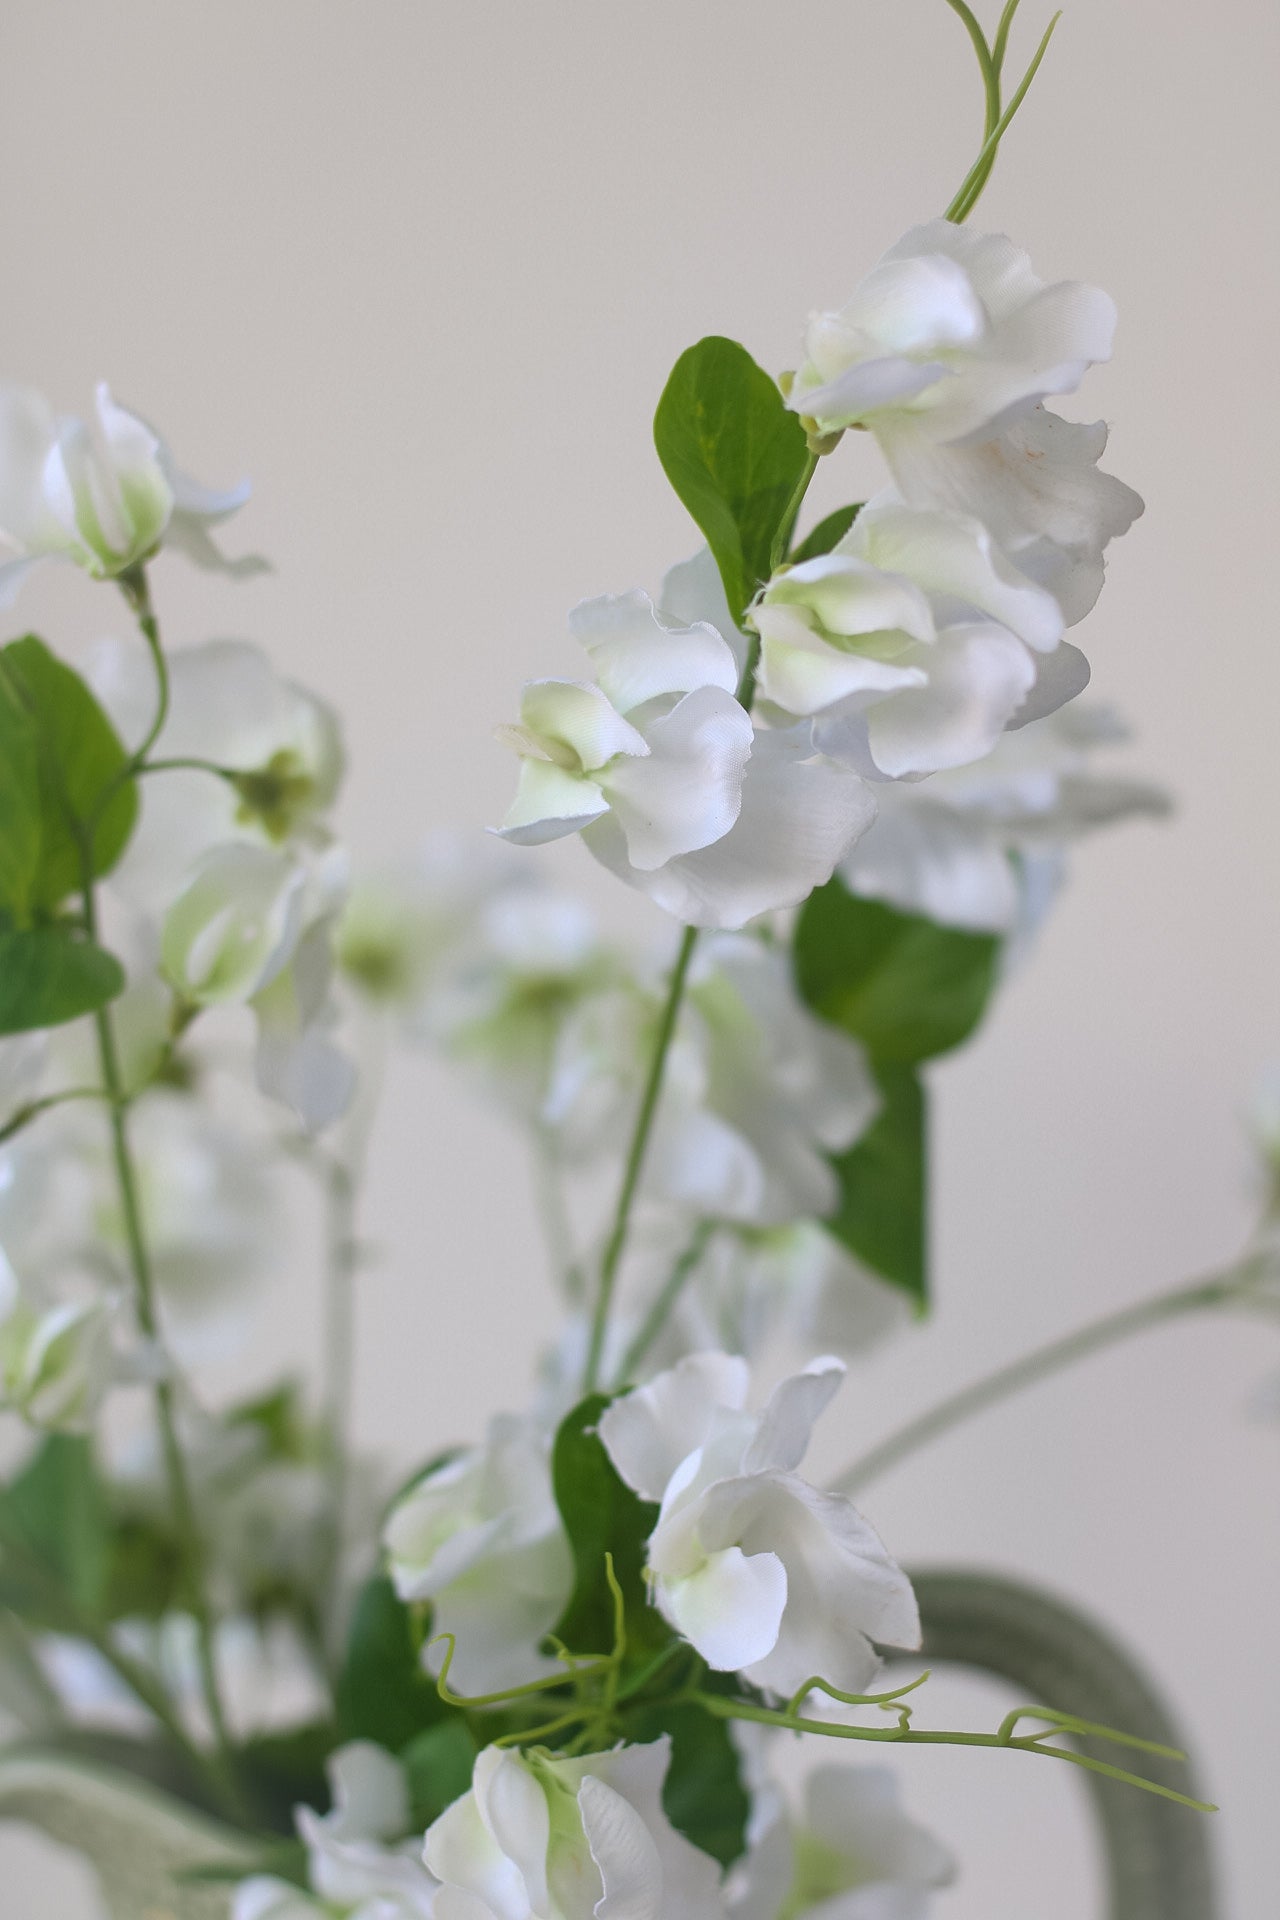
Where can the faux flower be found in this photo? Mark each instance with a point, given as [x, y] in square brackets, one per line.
[754, 1285]
[914, 640]
[800, 812]
[757, 1091]
[1038, 488]
[56, 1360]
[544, 1837]
[482, 1539]
[103, 493]
[353, 1866]
[278, 743]
[761, 1573]
[659, 741]
[952, 335]
[853, 1854]
[981, 847]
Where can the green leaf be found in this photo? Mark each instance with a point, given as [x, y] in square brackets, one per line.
[883, 1211]
[48, 976]
[734, 454]
[55, 1513]
[81, 759]
[144, 1573]
[904, 986]
[438, 1764]
[827, 534]
[703, 1796]
[602, 1516]
[19, 805]
[383, 1693]
[284, 1770]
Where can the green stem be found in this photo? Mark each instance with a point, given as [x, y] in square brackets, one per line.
[656, 1318]
[782, 538]
[634, 1167]
[975, 180]
[986, 62]
[729, 1709]
[186, 762]
[1219, 1290]
[34, 1108]
[1001, 42]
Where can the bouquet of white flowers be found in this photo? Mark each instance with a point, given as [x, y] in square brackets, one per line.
[549, 1672]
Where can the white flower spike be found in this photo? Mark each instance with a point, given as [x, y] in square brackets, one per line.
[761, 1573]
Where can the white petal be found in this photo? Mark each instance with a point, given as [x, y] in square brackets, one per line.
[1060, 676]
[579, 719]
[782, 1439]
[917, 304]
[978, 678]
[637, 657]
[800, 814]
[953, 554]
[730, 1610]
[550, 803]
[648, 1433]
[370, 1793]
[693, 592]
[688, 792]
[625, 1852]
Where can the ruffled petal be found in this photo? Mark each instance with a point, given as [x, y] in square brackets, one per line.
[639, 658]
[978, 678]
[687, 793]
[731, 1610]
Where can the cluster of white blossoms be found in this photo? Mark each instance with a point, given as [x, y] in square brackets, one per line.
[576, 1605]
[934, 626]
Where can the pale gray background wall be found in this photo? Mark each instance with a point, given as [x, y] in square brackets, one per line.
[422, 270]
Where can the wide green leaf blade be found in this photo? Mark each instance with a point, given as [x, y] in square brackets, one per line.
[19, 805]
[438, 1764]
[383, 1692]
[81, 761]
[49, 976]
[827, 534]
[883, 1213]
[905, 986]
[602, 1516]
[55, 1527]
[734, 454]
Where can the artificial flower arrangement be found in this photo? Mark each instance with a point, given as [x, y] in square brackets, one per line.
[549, 1673]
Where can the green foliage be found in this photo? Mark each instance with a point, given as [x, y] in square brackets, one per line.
[703, 1795]
[84, 808]
[602, 1516]
[145, 1574]
[19, 805]
[383, 1692]
[438, 1764]
[904, 986]
[827, 534]
[48, 975]
[281, 1771]
[908, 989]
[884, 1195]
[55, 1531]
[734, 454]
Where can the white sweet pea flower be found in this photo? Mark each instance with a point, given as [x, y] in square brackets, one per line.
[482, 1539]
[852, 1854]
[102, 493]
[914, 641]
[659, 742]
[762, 1573]
[951, 336]
[757, 1091]
[981, 847]
[800, 812]
[755, 1284]
[227, 705]
[542, 1837]
[1038, 488]
[355, 1869]
[56, 1360]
